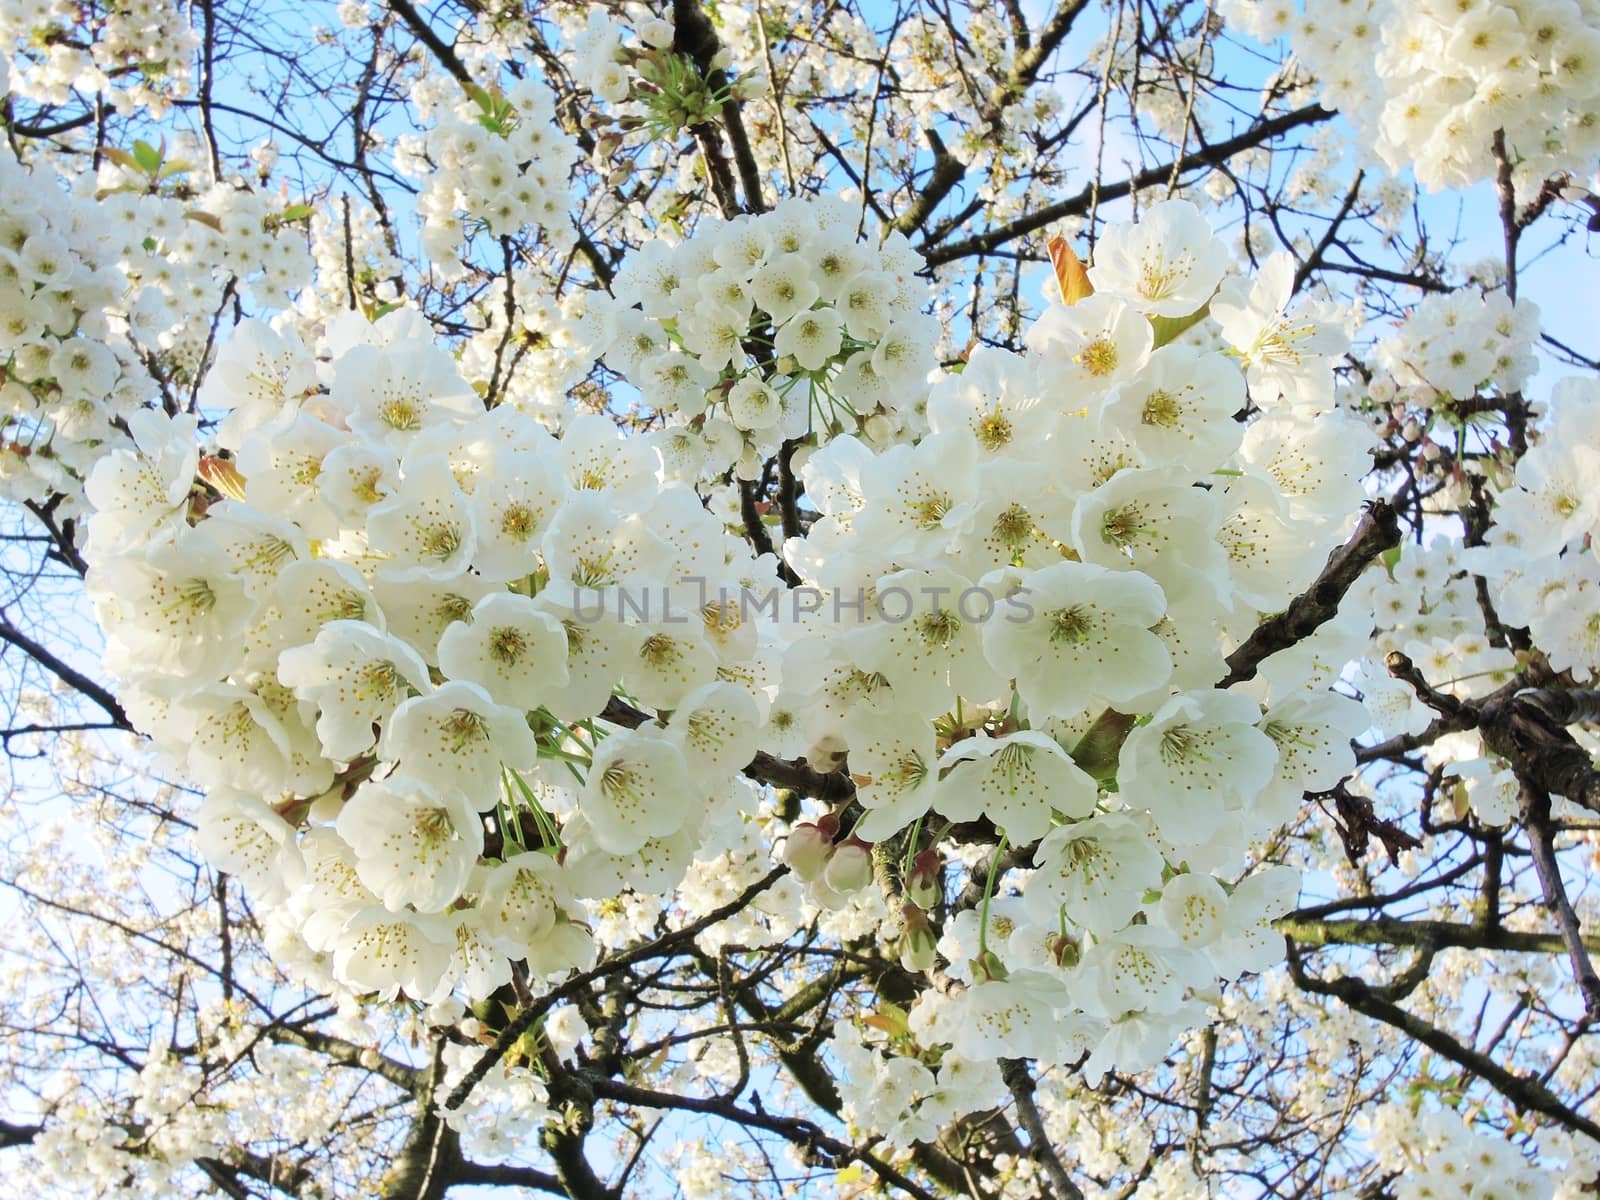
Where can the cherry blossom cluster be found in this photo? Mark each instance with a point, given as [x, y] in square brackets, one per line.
[1441, 1156]
[1444, 379]
[337, 249]
[1454, 345]
[491, 160]
[650, 91]
[57, 279]
[57, 48]
[772, 326]
[1431, 84]
[465, 693]
[1540, 561]
[103, 277]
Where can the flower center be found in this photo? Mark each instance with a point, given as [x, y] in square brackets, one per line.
[1071, 625]
[507, 645]
[1099, 357]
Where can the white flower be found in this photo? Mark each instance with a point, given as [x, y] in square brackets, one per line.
[672, 660]
[1094, 344]
[1312, 731]
[177, 610]
[1491, 789]
[512, 507]
[415, 844]
[1285, 356]
[594, 456]
[237, 740]
[996, 401]
[1143, 968]
[753, 405]
[1011, 1016]
[257, 371]
[590, 544]
[599, 647]
[457, 736]
[1197, 758]
[283, 465]
[1247, 941]
[401, 394]
[638, 788]
[783, 286]
[812, 337]
[356, 676]
[257, 544]
[312, 592]
[1316, 464]
[135, 492]
[387, 953]
[1097, 870]
[478, 963]
[1144, 519]
[426, 527]
[918, 499]
[894, 759]
[928, 641]
[1271, 556]
[716, 726]
[519, 899]
[242, 835]
[1076, 631]
[1168, 264]
[1016, 781]
[514, 650]
[1179, 409]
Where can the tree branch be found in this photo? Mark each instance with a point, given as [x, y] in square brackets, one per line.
[1377, 531]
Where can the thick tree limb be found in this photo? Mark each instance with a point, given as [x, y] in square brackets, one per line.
[1527, 729]
[1377, 531]
[1392, 931]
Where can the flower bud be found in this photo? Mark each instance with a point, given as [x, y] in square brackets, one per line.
[1064, 950]
[656, 33]
[807, 850]
[918, 946]
[987, 968]
[850, 868]
[924, 882]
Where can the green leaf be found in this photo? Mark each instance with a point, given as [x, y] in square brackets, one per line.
[296, 212]
[147, 157]
[121, 157]
[1169, 328]
[1098, 751]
